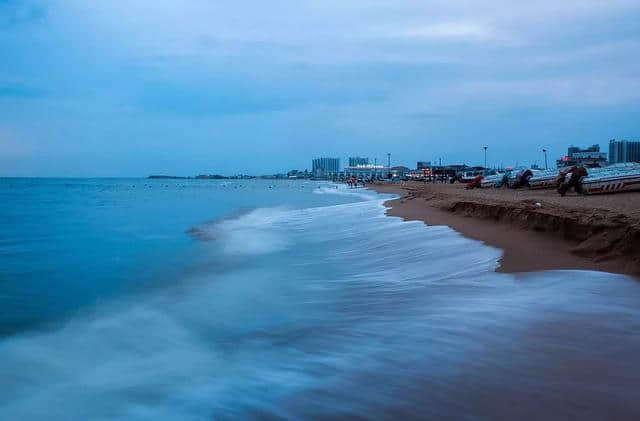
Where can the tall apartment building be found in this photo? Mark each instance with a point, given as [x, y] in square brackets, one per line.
[623, 151]
[325, 166]
[358, 162]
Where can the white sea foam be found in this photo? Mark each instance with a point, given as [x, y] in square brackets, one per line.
[252, 233]
[343, 190]
[350, 308]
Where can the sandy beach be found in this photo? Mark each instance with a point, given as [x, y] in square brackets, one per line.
[536, 229]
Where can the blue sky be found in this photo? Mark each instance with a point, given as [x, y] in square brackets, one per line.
[115, 88]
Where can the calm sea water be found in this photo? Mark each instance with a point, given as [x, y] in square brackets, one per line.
[185, 299]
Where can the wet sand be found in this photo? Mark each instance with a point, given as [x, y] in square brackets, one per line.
[536, 229]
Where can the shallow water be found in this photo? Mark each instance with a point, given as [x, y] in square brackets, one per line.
[297, 303]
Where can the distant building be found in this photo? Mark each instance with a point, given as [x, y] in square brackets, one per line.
[458, 167]
[357, 161]
[400, 171]
[367, 172]
[298, 174]
[574, 149]
[623, 151]
[450, 170]
[423, 165]
[325, 167]
[590, 157]
[420, 174]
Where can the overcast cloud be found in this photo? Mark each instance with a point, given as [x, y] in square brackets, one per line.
[115, 88]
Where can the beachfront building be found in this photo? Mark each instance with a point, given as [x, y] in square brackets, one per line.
[621, 151]
[422, 165]
[325, 167]
[356, 161]
[574, 149]
[400, 171]
[590, 157]
[367, 172]
[419, 174]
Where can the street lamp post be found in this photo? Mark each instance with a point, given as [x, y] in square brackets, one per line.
[546, 167]
[389, 165]
[485, 158]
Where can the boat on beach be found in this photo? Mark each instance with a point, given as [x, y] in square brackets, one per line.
[612, 179]
[545, 179]
[492, 180]
[469, 176]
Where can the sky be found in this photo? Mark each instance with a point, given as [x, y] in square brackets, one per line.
[139, 87]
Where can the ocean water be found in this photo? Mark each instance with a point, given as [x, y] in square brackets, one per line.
[203, 299]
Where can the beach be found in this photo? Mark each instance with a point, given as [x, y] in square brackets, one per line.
[536, 229]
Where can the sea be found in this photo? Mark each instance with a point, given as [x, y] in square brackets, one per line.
[289, 299]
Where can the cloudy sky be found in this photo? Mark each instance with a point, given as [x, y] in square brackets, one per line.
[130, 88]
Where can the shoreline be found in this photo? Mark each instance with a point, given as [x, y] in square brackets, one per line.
[600, 233]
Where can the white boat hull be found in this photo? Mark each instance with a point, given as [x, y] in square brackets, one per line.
[630, 182]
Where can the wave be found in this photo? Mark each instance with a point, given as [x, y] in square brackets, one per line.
[252, 233]
[343, 190]
[349, 312]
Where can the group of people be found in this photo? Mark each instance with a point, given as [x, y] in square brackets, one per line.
[574, 175]
[353, 182]
[569, 177]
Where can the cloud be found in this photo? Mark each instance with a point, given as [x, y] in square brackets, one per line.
[197, 78]
[577, 90]
[455, 31]
[12, 145]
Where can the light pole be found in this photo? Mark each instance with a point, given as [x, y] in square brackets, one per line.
[388, 166]
[485, 158]
[375, 168]
[546, 167]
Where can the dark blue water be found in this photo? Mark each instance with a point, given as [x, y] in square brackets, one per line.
[131, 299]
[66, 243]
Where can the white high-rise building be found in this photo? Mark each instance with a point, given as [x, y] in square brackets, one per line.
[623, 151]
[325, 167]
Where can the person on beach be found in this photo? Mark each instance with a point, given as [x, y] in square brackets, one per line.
[562, 175]
[504, 181]
[522, 180]
[575, 181]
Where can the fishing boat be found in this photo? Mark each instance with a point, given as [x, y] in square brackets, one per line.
[499, 178]
[545, 179]
[491, 180]
[469, 176]
[612, 179]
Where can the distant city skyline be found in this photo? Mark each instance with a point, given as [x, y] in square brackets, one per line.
[107, 88]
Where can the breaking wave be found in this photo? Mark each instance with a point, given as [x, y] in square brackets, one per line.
[336, 311]
[342, 190]
[252, 233]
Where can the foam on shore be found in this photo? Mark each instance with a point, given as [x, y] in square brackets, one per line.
[351, 314]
